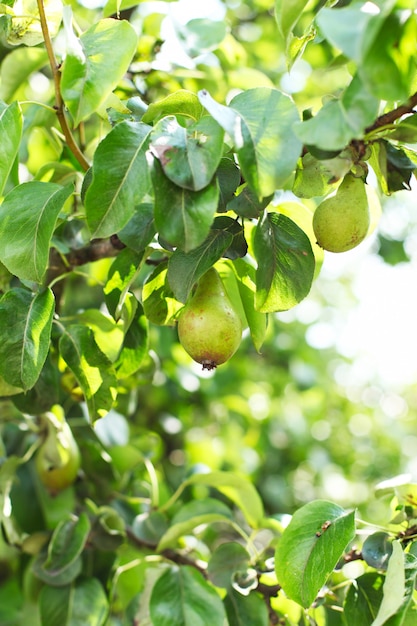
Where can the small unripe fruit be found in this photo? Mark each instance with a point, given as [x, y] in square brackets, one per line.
[341, 222]
[58, 459]
[209, 328]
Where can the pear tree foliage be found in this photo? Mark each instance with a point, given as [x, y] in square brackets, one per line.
[143, 149]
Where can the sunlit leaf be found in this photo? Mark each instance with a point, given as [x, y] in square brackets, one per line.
[26, 26]
[11, 125]
[238, 489]
[120, 178]
[245, 610]
[310, 547]
[28, 216]
[183, 217]
[84, 602]
[91, 368]
[285, 263]
[25, 330]
[189, 156]
[184, 104]
[181, 596]
[87, 80]
[260, 121]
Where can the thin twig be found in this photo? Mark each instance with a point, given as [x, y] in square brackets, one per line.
[59, 107]
[395, 114]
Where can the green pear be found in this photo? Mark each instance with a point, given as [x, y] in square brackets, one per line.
[58, 458]
[209, 328]
[341, 222]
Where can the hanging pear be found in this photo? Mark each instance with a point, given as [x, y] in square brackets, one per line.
[209, 329]
[58, 459]
[341, 222]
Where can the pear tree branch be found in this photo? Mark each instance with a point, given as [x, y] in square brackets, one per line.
[59, 106]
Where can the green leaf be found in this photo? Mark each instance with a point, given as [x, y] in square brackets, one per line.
[181, 597]
[315, 178]
[180, 529]
[388, 69]
[25, 331]
[398, 587]
[159, 303]
[363, 599]
[26, 27]
[185, 268]
[17, 66]
[238, 489]
[285, 263]
[140, 229]
[150, 526]
[340, 121]
[8, 471]
[200, 35]
[200, 508]
[183, 217]
[115, 191]
[246, 203]
[91, 368]
[287, 15]
[260, 122]
[122, 274]
[67, 543]
[246, 610]
[377, 549]
[11, 125]
[27, 220]
[353, 30]
[310, 548]
[189, 156]
[184, 104]
[135, 344]
[228, 177]
[256, 320]
[225, 560]
[107, 48]
[83, 603]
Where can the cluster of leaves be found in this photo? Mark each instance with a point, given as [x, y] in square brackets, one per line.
[129, 552]
[130, 181]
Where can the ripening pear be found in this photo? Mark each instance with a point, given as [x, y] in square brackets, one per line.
[341, 222]
[58, 459]
[209, 328]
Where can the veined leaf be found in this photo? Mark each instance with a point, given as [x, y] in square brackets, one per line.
[245, 610]
[287, 15]
[183, 104]
[260, 122]
[27, 220]
[11, 124]
[67, 543]
[26, 28]
[108, 48]
[189, 156]
[183, 217]
[398, 587]
[340, 121]
[83, 602]
[181, 597]
[170, 538]
[91, 367]
[120, 178]
[159, 303]
[310, 547]
[285, 263]
[239, 490]
[25, 330]
[185, 268]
